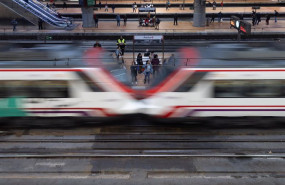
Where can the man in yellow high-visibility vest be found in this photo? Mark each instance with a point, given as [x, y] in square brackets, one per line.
[121, 42]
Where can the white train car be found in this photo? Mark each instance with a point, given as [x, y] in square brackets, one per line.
[43, 91]
[220, 88]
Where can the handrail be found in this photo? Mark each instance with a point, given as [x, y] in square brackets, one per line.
[42, 13]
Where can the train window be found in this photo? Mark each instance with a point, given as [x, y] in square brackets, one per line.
[229, 89]
[88, 81]
[34, 89]
[191, 82]
[249, 89]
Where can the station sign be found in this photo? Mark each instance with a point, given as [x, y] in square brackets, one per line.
[148, 37]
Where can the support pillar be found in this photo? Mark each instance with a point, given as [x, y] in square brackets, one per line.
[199, 17]
[87, 17]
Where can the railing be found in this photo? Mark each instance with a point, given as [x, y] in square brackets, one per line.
[112, 61]
[42, 13]
[20, 10]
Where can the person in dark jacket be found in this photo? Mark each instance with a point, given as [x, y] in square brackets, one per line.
[14, 24]
[139, 63]
[175, 19]
[40, 23]
[125, 20]
[275, 15]
[212, 18]
[100, 5]
[155, 64]
[134, 73]
[113, 8]
[267, 19]
[96, 20]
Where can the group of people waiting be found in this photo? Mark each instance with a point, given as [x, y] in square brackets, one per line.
[154, 21]
[150, 67]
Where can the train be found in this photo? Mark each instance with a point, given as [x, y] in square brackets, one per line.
[93, 86]
[220, 82]
[200, 82]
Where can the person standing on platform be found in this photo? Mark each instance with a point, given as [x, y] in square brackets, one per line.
[275, 15]
[125, 20]
[14, 23]
[40, 23]
[100, 5]
[220, 16]
[96, 20]
[118, 19]
[155, 64]
[258, 18]
[147, 71]
[267, 19]
[214, 5]
[106, 7]
[175, 19]
[64, 5]
[157, 23]
[134, 73]
[222, 4]
[121, 42]
[212, 18]
[97, 45]
[134, 8]
[113, 8]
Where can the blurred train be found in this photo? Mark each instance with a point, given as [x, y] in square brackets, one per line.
[221, 81]
[234, 80]
[91, 87]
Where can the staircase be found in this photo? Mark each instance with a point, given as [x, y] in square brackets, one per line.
[32, 10]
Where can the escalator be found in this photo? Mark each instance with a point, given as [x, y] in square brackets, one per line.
[32, 10]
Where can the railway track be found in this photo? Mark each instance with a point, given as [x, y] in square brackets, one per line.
[142, 154]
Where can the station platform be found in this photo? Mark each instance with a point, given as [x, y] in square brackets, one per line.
[178, 10]
[108, 28]
[103, 2]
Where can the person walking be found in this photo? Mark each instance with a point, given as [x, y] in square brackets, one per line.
[125, 20]
[113, 8]
[106, 7]
[147, 71]
[100, 5]
[121, 42]
[166, 5]
[134, 73]
[14, 23]
[155, 65]
[40, 24]
[222, 4]
[175, 19]
[258, 18]
[118, 18]
[275, 15]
